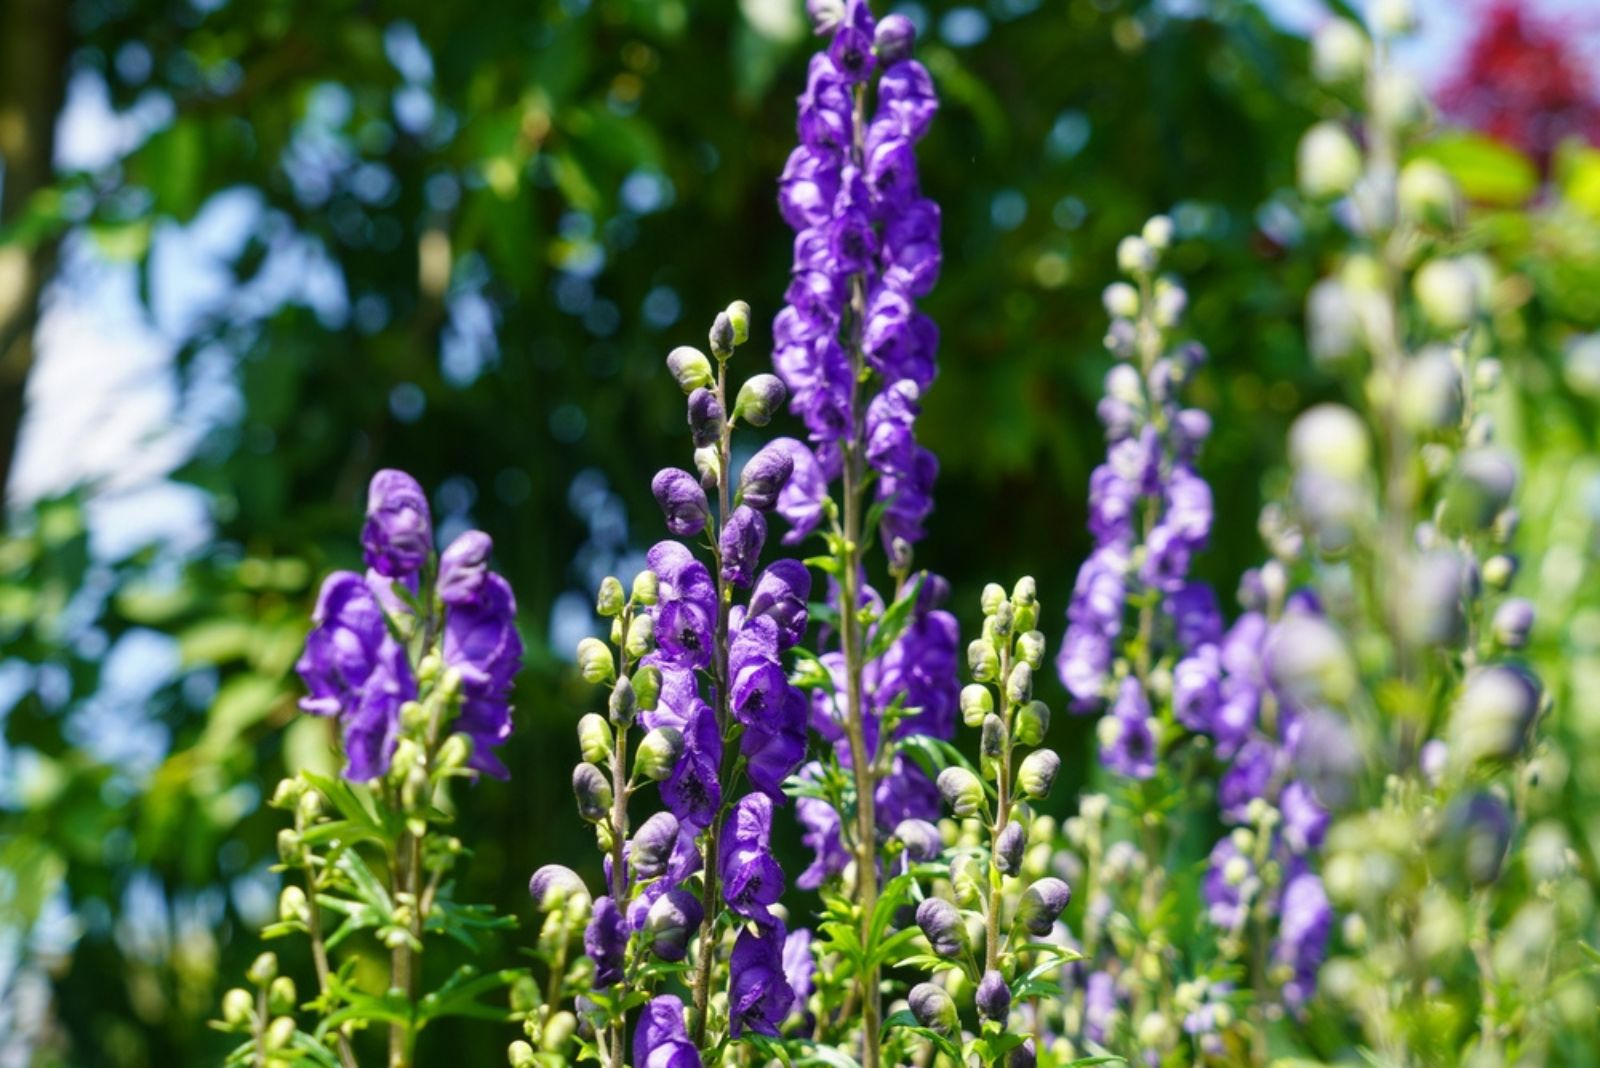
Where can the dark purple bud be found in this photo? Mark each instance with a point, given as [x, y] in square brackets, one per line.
[1023, 1056]
[398, 535]
[605, 941]
[1513, 621]
[721, 336]
[894, 39]
[463, 566]
[941, 923]
[705, 418]
[742, 538]
[682, 501]
[1477, 833]
[934, 1008]
[780, 595]
[652, 845]
[920, 838]
[759, 399]
[671, 922]
[764, 477]
[994, 996]
[1043, 904]
[552, 886]
[1008, 848]
[593, 792]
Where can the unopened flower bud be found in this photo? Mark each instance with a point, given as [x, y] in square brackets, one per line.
[1033, 720]
[764, 476]
[1428, 195]
[611, 598]
[1513, 621]
[1121, 300]
[1430, 395]
[281, 995]
[558, 1031]
[292, 906]
[759, 399]
[1492, 715]
[682, 500]
[1009, 845]
[967, 879]
[976, 702]
[238, 1005]
[920, 839]
[706, 418]
[652, 845]
[983, 661]
[690, 367]
[1339, 52]
[1043, 904]
[1001, 622]
[641, 636]
[552, 886]
[1328, 161]
[1394, 18]
[1135, 256]
[992, 742]
[994, 595]
[309, 810]
[263, 970]
[595, 663]
[1485, 480]
[942, 925]
[593, 792]
[622, 702]
[1023, 1056]
[934, 1008]
[279, 1034]
[962, 791]
[671, 922]
[1447, 290]
[1038, 773]
[708, 463]
[455, 752]
[521, 1055]
[287, 794]
[594, 738]
[894, 39]
[1330, 439]
[658, 753]
[993, 996]
[721, 336]
[1019, 684]
[289, 845]
[647, 687]
[1157, 232]
[738, 314]
[1030, 648]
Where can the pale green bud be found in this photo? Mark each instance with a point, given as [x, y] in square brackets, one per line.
[621, 704]
[289, 845]
[708, 463]
[1121, 300]
[280, 1033]
[1019, 684]
[983, 661]
[594, 738]
[593, 791]
[1157, 232]
[455, 752]
[962, 791]
[1030, 648]
[966, 879]
[647, 687]
[1397, 100]
[1339, 52]
[1135, 256]
[558, 1031]
[595, 663]
[263, 970]
[759, 399]
[611, 598]
[292, 905]
[658, 753]
[1038, 774]
[1331, 440]
[641, 636]
[1430, 396]
[1328, 161]
[281, 995]
[739, 318]
[287, 794]
[1394, 18]
[521, 1055]
[1033, 720]
[1428, 195]
[1449, 292]
[1498, 571]
[690, 368]
[994, 596]
[976, 702]
[644, 587]
[238, 1006]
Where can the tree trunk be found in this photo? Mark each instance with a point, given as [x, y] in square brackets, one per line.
[34, 45]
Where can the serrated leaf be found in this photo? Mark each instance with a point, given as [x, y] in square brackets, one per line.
[894, 621]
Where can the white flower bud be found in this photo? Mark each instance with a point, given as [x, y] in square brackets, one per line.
[1121, 300]
[1135, 256]
[1449, 293]
[1329, 162]
[1339, 52]
[1157, 232]
[1331, 440]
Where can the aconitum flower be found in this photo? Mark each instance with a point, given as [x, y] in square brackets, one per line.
[823, 834]
[799, 966]
[661, 1040]
[743, 535]
[682, 501]
[1099, 1007]
[759, 994]
[605, 940]
[800, 502]
[1230, 877]
[780, 595]
[355, 670]
[670, 922]
[764, 477]
[752, 881]
[398, 536]
[464, 567]
[1303, 929]
[1127, 739]
[481, 644]
[686, 605]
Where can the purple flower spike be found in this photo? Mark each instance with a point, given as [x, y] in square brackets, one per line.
[463, 567]
[398, 535]
[661, 1040]
[759, 994]
[682, 501]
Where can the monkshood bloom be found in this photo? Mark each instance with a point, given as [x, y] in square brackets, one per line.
[356, 669]
[752, 881]
[759, 994]
[661, 1040]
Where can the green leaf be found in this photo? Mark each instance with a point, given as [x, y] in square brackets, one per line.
[894, 621]
[1488, 171]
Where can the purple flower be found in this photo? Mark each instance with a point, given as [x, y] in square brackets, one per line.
[463, 567]
[686, 607]
[1303, 929]
[1197, 689]
[605, 940]
[1305, 821]
[1099, 1007]
[799, 966]
[1224, 889]
[694, 793]
[398, 535]
[355, 670]
[661, 1040]
[851, 50]
[800, 502]
[1249, 778]
[905, 94]
[752, 881]
[774, 748]
[780, 595]
[764, 476]
[1127, 742]
[742, 538]
[1196, 619]
[823, 834]
[682, 501]
[759, 994]
[1082, 663]
[482, 644]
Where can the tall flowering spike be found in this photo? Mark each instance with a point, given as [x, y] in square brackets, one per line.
[398, 535]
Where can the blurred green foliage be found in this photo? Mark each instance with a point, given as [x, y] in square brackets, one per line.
[525, 205]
